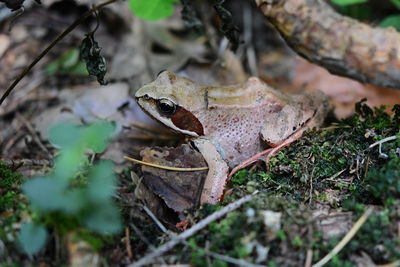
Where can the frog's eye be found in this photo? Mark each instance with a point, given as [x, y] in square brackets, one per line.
[166, 106]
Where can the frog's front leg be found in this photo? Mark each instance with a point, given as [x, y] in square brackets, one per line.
[217, 170]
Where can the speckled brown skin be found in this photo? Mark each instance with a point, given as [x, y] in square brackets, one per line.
[342, 45]
[235, 120]
[234, 116]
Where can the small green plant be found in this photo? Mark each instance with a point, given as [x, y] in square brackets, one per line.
[392, 20]
[152, 9]
[364, 10]
[348, 2]
[12, 203]
[76, 193]
[68, 63]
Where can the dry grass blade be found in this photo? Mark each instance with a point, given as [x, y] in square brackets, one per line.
[166, 167]
[345, 239]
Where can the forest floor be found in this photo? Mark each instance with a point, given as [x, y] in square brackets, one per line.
[336, 182]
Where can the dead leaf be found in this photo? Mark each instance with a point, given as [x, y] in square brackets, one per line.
[343, 92]
[333, 224]
[179, 190]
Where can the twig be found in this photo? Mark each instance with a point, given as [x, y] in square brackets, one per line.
[197, 227]
[52, 44]
[333, 177]
[150, 129]
[225, 258]
[35, 136]
[237, 262]
[308, 258]
[384, 140]
[345, 239]
[392, 264]
[142, 236]
[166, 167]
[155, 219]
[128, 243]
[380, 142]
[27, 162]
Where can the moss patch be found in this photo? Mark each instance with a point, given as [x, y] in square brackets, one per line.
[12, 203]
[332, 168]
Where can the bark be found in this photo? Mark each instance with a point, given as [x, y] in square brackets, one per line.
[342, 45]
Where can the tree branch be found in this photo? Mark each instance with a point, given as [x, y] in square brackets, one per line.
[342, 45]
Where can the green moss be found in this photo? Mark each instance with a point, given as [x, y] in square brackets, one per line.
[339, 158]
[9, 186]
[332, 166]
[12, 202]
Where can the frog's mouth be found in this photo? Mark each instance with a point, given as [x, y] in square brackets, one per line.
[181, 121]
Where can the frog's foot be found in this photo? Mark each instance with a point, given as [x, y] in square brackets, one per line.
[285, 142]
[249, 161]
[268, 152]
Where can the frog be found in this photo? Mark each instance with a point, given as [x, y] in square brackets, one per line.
[232, 125]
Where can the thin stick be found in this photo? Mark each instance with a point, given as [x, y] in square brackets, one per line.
[392, 264]
[237, 262]
[384, 140]
[345, 239]
[232, 260]
[52, 44]
[308, 258]
[166, 167]
[197, 227]
[35, 136]
[155, 219]
[128, 243]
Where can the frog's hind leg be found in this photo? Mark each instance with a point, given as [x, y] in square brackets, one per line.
[285, 142]
[268, 153]
[249, 161]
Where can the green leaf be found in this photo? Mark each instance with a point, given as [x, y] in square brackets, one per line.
[396, 3]
[52, 68]
[393, 20]
[45, 193]
[104, 219]
[96, 136]
[79, 69]
[32, 238]
[74, 201]
[152, 9]
[69, 59]
[68, 63]
[65, 135]
[101, 182]
[348, 2]
[68, 162]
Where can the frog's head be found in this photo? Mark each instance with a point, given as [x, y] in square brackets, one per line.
[174, 100]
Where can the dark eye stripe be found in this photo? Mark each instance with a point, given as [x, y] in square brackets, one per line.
[185, 120]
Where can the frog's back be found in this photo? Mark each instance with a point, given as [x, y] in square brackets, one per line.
[235, 116]
[238, 115]
[253, 94]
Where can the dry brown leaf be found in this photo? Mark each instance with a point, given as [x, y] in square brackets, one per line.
[343, 92]
[179, 190]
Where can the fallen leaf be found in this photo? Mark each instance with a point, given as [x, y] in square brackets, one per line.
[179, 190]
[343, 92]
